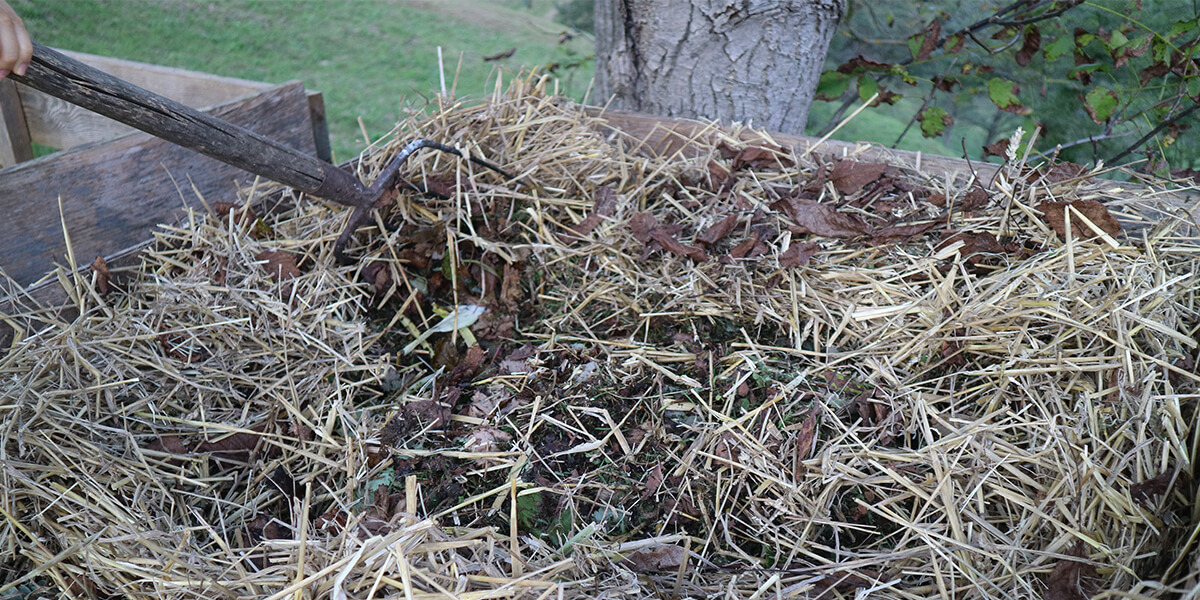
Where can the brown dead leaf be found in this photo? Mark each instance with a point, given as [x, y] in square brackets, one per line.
[1055, 214]
[850, 176]
[647, 229]
[1071, 579]
[487, 439]
[807, 434]
[1033, 42]
[663, 558]
[379, 276]
[798, 254]
[718, 231]
[103, 277]
[1058, 173]
[1144, 492]
[821, 219]
[999, 148]
[604, 206]
[281, 265]
[718, 175]
[413, 418]
[903, 232]
[975, 198]
[936, 199]
[749, 248]
[654, 480]
[762, 157]
[467, 366]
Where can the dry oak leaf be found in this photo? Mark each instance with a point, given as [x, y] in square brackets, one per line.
[1071, 579]
[604, 206]
[663, 558]
[822, 219]
[103, 277]
[798, 254]
[1055, 214]
[718, 231]
[281, 265]
[1144, 492]
[647, 229]
[850, 176]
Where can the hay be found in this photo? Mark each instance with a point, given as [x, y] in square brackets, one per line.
[680, 391]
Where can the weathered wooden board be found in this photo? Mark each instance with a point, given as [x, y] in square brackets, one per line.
[14, 133]
[114, 193]
[666, 135]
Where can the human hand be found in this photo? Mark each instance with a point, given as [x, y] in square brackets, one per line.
[15, 47]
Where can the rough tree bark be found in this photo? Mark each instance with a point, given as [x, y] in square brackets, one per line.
[754, 61]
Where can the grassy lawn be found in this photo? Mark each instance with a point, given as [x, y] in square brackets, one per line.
[370, 58]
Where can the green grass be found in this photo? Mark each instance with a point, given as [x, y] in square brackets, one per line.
[370, 58]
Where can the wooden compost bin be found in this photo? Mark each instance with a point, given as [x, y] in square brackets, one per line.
[110, 185]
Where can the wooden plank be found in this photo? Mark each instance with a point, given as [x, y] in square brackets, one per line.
[14, 134]
[666, 135]
[60, 124]
[114, 193]
[316, 109]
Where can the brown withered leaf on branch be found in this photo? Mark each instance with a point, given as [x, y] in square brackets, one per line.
[662, 558]
[1144, 492]
[647, 229]
[821, 219]
[281, 265]
[104, 283]
[798, 254]
[1033, 42]
[718, 231]
[997, 149]
[1071, 579]
[604, 206]
[945, 84]
[850, 176]
[861, 63]
[928, 39]
[1055, 213]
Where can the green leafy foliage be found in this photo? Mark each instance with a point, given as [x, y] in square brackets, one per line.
[934, 121]
[984, 69]
[1100, 104]
[1003, 93]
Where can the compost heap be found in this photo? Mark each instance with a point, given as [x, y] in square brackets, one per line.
[726, 369]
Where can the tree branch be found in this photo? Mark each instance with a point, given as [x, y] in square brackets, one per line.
[1153, 132]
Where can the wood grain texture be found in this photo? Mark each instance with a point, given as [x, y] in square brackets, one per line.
[60, 124]
[14, 134]
[664, 136]
[114, 193]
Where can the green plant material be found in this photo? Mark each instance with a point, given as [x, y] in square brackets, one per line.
[1004, 93]
[832, 86]
[1060, 46]
[867, 87]
[1100, 104]
[934, 120]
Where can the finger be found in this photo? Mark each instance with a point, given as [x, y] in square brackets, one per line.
[8, 45]
[24, 51]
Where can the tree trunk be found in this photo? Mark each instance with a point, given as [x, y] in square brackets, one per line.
[754, 61]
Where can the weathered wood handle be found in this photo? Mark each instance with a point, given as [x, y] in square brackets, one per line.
[95, 90]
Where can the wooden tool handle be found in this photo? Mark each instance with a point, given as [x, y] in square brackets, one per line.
[77, 83]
